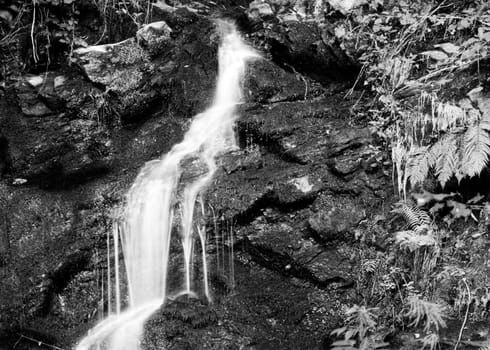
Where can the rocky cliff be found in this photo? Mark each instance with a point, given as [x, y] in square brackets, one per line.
[308, 175]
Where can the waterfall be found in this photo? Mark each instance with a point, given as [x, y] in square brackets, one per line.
[160, 199]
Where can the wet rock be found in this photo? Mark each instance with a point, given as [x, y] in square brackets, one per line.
[168, 62]
[148, 141]
[241, 160]
[264, 310]
[328, 266]
[31, 106]
[5, 159]
[306, 48]
[61, 92]
[344, 166]
[122, 69]
[177, 325]
[118, 67]
[259, 9]
[349, 138]
[337, 218]
[294, 184]
[345, 6]
[303, 131]
[53, 149]
[154, 37]
[73, 142]
[267, 83]
[241, 195]
[54, 282]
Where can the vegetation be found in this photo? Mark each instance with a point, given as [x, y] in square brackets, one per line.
[426, 66]
[360, 332]
[38, 34]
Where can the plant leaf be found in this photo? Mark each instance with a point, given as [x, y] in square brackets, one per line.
[436, 55]
[460, 210]
[344, 342]
[417, 166]
[476, 149]
[449, 48]
[444, 157]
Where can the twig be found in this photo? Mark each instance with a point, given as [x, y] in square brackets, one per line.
[133, 18]
[33, 41]
[451, 68]
[148, 12]
[476, 344]
[39, 342]
[359, 99]
[104, 12]
[351, 90]
[18, 341]
[301, 77]
[465, 316]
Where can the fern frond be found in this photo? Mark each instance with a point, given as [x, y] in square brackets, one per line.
[426, 314]
[450, 271]
[398, 71]
[444, 158]
[413, 241]
[371, 343]
[417, 167]
[364, 319]
[399, 157]
[449, 116]
[416, 218]
[431, 341]
[482, 345]
[476, 149]
[477, 95]
[370, 265]
[344, 345]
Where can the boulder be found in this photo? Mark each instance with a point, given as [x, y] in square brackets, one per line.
[155, 37]
[336, 219]
[260, 9]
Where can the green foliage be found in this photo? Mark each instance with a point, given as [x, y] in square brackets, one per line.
[425, 314]
[461, 149]
[360, 331]
[451, 208]
[431, 341]
[476, 148]
[443, 157]
[402, 55]
[438, 129]
[413, 241]
[42, 32]
[48, 25]
[420, 241]
[416, 218]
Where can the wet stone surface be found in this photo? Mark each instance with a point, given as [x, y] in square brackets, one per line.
[292, 194]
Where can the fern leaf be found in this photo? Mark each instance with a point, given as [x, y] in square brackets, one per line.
[417, 166]
[426, 314]
[398, 155]
[476, 149]
[344, 345]
[416, 218]
[449, 116]
[413, 241]
[444, 157]
[431, 341]
[483, 101]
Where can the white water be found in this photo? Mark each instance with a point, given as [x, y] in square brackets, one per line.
[146, 228]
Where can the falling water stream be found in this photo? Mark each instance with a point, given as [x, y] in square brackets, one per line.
[159, 199]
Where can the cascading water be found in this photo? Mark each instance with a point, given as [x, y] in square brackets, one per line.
[146, 228]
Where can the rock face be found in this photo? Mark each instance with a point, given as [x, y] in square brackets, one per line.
[283, 209]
